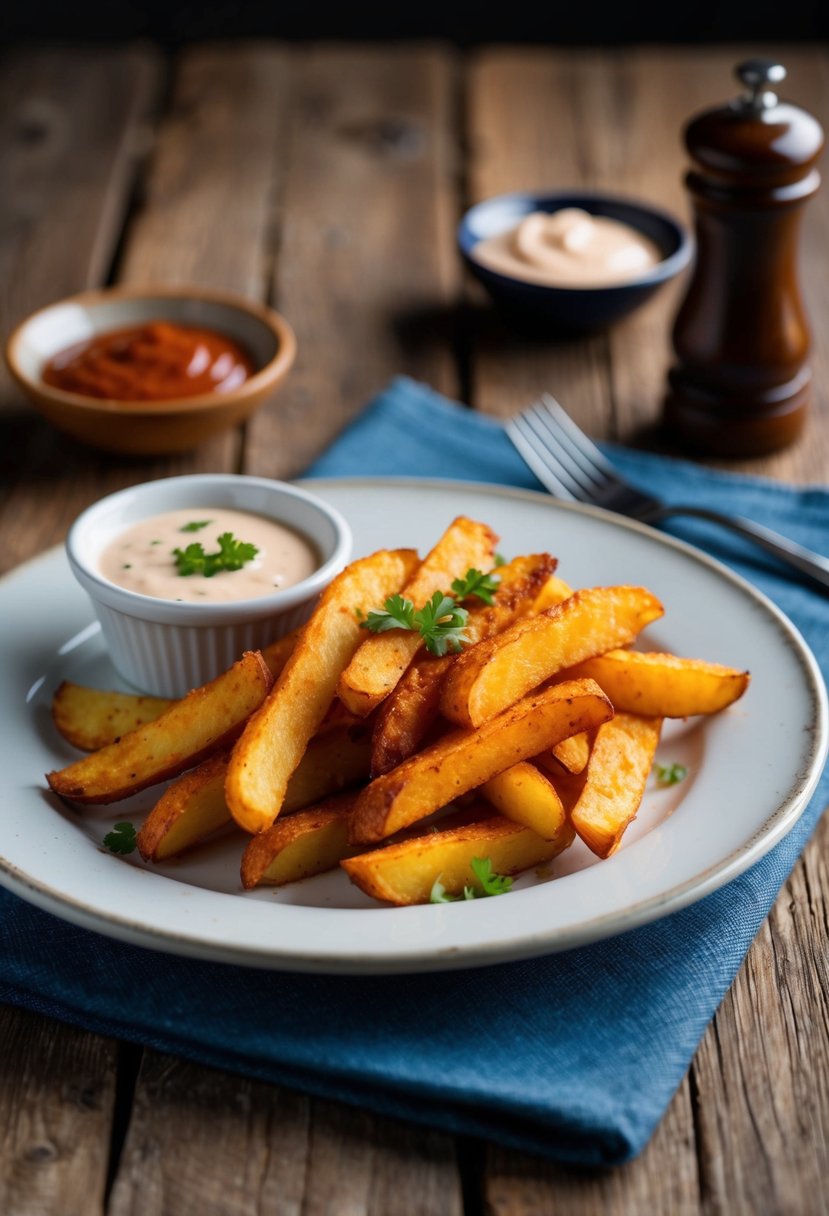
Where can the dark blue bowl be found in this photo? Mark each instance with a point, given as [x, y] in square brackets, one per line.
[573, 310]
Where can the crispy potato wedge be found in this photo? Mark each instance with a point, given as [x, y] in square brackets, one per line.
[525, 795]
[620, 762]
[465, 759]
[405, 717]
[496, 673]
[195, 806]
[337, 757]
[276, 654]
[662, 685]
[405, 872]
[573, 753]
[382, 658]
[91, 718]
[309, 842]
[190, 809]
[554, 591]
[276, 737]
[207, 720]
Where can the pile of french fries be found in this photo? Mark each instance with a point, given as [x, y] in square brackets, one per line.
[340, 747]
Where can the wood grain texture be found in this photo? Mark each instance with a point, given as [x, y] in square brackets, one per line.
[530, 115]
[762, 1104]
[366, 271]
[253, 1149]
[328, 180]
[68, 164]
[204, 213]
[57, 1089]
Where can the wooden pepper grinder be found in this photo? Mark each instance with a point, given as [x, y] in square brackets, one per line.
[742, 383]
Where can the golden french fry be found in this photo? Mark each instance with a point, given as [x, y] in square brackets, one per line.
[207, 720]
[190, 809]
[276, 737]
[554, 591]
[573, 753]
[195, 806]
[90, 718]
[337, 757]
[662, 685]
[620, 761]
[525, 795]
[465, 759]
[382, 658]
[405, 717]
[405, 872]
[276, 654]
[496, 673]
[309, 842]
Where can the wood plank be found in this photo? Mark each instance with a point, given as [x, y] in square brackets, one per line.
[532, 119]
[57, 1091]
[366, 272]
[68, 163]
[255, 1148]
[205, 210]
[762, 1107]
[662, 1179]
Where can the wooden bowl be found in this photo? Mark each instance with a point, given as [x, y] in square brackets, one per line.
[149, 428]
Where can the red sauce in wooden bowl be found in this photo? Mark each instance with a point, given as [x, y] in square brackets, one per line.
[151, 362]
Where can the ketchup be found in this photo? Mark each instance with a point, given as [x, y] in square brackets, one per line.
[151, 362]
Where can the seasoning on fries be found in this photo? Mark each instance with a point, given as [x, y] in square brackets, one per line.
[434, 722]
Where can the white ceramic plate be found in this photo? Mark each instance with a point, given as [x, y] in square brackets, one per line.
[751, 769]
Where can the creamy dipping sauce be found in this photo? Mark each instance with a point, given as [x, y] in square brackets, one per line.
[143, 557]
[569, 248]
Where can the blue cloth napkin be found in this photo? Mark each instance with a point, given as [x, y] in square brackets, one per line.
[525, 1053]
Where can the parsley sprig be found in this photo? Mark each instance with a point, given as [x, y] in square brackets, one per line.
[490, 884]
[122, 839]
[441, 621]
[670, 774]
[475, 582]
[195, 525]
[232, 554]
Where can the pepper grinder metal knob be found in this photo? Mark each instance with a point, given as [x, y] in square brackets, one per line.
[741, 383]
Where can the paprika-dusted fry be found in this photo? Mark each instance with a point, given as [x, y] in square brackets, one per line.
[617, 771]
[298, 846]
[197, 726]
[405, 872]
[275, 739]
[465, 759]
[406, 715]
[496, 673]
[662, 685]
[382, 658]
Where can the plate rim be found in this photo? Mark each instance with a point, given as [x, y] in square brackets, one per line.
[532, 943]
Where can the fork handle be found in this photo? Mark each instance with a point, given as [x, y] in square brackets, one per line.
[813, 565]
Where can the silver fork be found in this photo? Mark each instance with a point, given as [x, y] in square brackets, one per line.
[572, 467]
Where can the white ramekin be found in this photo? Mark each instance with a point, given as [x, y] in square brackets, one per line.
[166, 648]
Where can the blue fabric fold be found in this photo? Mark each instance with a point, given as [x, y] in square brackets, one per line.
[573, 1056]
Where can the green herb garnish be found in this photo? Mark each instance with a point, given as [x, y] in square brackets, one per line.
[121, 839]
[232, 554]
[670, 774]
[499, 560]
[440, 622]
[491, 884]
[475, 582]
[195, 525]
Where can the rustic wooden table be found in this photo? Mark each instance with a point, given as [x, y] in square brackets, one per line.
[329, 180]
